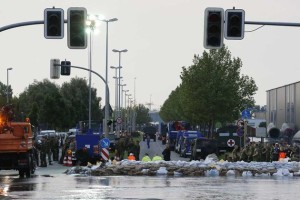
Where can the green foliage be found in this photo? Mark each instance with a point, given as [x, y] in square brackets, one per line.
[50, 107]
[212, 90]
[142, 116]
[75, 95]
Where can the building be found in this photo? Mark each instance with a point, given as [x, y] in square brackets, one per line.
[283, 106]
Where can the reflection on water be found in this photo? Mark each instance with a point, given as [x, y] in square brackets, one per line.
[159, 187]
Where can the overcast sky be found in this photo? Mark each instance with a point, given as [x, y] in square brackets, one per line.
[161, 36]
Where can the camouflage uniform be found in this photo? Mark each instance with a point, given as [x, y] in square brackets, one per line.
[55, 148]
[235, 153]
[255, 155]
[43, 153]
[244, 155]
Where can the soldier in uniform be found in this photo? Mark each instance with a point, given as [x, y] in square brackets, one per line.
[244, 156]
[44, 151]
[55, 148]
[235, 153]
[255, 155]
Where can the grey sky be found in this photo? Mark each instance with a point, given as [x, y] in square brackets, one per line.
[161, 36]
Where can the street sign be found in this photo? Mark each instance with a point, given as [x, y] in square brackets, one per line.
[240, 123]
[240, 132]
[105, 153]
[119, 120]
[104, 143]
[230, 143]
[246, 114]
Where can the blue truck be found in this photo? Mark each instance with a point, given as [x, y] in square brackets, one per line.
[89, 138]
[175, 130]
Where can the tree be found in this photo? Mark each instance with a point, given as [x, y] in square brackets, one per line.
[43, 102]
[172, 108]
[212, 90]
[3, 93]
[142, 114]
[75, 96]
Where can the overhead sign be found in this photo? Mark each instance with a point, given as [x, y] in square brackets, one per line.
[104, 143]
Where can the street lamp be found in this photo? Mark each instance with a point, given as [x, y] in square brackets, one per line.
[7, 91]
[125, 91]
[116, 86]
[119, 84]
[106, 76]
[92, 24]
[122, 85]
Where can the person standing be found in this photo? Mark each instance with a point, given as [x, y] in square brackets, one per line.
[167, 153]
[43, 153]
[148, 141]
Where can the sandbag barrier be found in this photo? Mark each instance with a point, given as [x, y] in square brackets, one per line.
[193, 168]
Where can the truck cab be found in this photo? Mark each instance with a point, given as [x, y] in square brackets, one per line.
[188, 137]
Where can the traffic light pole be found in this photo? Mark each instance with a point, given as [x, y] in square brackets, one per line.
[107, 88]
[4, 28]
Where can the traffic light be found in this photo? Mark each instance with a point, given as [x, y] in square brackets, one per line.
[234, 24]
[213, 28]
[54, 23]
[77, 38]
[65, 68]
[54, 69]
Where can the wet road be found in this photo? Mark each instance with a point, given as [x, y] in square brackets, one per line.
[62, 186]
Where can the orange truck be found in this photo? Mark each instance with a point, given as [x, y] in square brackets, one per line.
[16, 144]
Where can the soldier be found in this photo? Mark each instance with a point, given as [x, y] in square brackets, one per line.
[265, 155]
[244, 156]
[44, 151]
[36, 152]
[55, 148]
[235, 153]
[48, 148]
[295, 153]
[250, 151]
[255, 155]
[275, 152]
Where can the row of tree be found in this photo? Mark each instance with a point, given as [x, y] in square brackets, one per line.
[50, 106]
[212, 90]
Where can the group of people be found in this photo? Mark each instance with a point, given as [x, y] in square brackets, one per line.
[166, 156]
[265, 152]
[47, 147]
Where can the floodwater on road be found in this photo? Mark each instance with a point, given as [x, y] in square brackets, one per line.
[62, 186]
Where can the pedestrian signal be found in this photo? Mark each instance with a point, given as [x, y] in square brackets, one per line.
[234, 24]
[54, 23]
[213, 28]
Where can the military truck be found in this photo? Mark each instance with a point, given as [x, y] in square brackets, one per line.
[202, 147]
[151, 131]
[16, 143]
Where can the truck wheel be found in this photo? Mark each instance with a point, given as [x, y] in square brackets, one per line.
[21, 173]
[28, 173]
